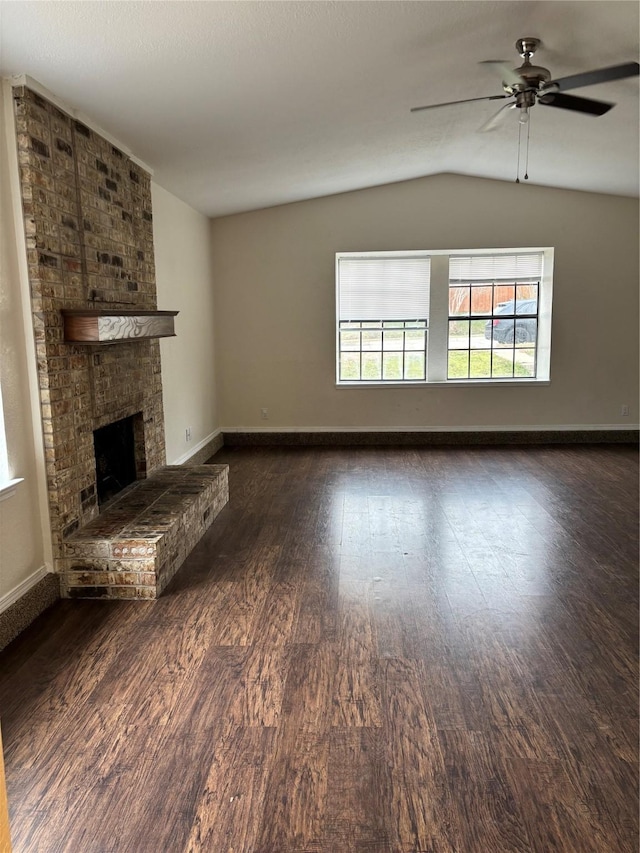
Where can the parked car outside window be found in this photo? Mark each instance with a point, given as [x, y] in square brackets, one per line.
[519, 330]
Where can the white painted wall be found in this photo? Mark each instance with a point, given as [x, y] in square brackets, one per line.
[184, 283]
[275, 305]
[23, 549]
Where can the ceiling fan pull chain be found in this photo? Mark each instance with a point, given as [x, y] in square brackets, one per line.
[518, 166]
[526, 165]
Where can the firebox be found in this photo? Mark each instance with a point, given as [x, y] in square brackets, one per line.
[116, 463]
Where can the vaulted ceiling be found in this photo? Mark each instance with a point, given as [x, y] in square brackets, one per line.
[243, 105]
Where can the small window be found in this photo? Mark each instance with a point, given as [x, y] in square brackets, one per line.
[7, 483]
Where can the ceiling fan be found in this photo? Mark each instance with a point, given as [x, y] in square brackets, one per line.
[530, 84]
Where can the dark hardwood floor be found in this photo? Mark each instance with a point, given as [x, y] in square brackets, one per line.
[411, 649]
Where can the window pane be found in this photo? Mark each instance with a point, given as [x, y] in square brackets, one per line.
[527, 293]
[525, 362]
[350, 366]
[392, 365]
[349, 341]
[481, 334]
[503, 332]
[479, 365]
[458, 334]
[345, 324]
[414, 365]
[459, 301]
[481, 299]
[372, 340]
[503, 363]
[525, 332]
[527, 306]
[393, 340]
[503, 293]
[458, 367]
[414, 340]
[371, 365]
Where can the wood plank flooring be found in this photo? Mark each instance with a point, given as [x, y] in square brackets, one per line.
[396, 650]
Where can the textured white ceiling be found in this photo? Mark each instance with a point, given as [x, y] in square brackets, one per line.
[243, 105]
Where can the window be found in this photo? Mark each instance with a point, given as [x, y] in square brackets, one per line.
[7, 485]
[383, 317]
[493, 315]
[450, 317]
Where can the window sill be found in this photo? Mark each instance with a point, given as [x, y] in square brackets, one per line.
[8, 489]
[451, 383]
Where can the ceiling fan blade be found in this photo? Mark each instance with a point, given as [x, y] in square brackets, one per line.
[466, 101]
[496, 119]
[509, 76]
[600, 75]
[571, 102]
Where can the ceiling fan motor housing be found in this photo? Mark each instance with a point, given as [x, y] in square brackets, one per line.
[532, 77]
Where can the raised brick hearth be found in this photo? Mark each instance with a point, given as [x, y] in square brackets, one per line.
[89, 233]
[134, 547]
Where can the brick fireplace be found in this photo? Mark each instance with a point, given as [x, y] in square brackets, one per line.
[88, 225]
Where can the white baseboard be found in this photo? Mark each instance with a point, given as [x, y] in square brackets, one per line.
[10, 598]
[196, 448]
[497, 428]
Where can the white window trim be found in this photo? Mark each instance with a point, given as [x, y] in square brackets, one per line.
[438, 322]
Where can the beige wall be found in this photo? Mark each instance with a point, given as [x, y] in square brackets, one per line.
[275, 296]
[22, 546]
[183, 278]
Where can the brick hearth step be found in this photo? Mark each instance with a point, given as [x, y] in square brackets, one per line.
[138, 543]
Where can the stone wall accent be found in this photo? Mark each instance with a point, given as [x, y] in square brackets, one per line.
[88, 223]
[140, 541]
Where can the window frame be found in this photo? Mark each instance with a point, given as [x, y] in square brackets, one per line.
[438, 321]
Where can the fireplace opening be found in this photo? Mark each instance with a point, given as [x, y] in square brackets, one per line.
[115, 451]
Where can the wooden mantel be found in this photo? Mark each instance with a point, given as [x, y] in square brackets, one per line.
[93, 326]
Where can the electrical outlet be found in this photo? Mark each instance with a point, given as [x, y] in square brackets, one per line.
[624, 410]
[187, 434]
[264, 414]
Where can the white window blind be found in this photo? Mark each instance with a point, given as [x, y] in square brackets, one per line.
[384, 288]
[490, 268]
